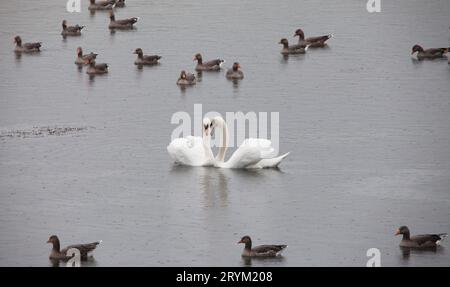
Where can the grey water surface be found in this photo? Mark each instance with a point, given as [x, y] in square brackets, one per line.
[367, 126]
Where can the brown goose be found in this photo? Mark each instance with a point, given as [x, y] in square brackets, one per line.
[96, 69]
[145, 59]
[235, 73]
[292, 49]
[186, 79]
[61, 254]
[419, 241]
[313, 42]
[431, 53]
[121, 24]
[101, 5]
[26, 47]
[260, 251]
[84, 59]
[71, 30]
[213, 65]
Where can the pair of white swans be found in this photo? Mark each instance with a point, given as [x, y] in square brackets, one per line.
[196, 151]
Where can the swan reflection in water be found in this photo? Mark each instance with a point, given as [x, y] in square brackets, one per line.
[214, 183]
[214, 186]
[211, 182]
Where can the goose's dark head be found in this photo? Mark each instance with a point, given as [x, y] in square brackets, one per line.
[236, 66]
[416, 48]
[18, 40]
[246, 240]
[299, 33]
[111, 16]
[79, 51]
[64, 23]
[183, 75]
[54, 241]
[402, 230]
[138, 51]
[284, 42]
[198, 57]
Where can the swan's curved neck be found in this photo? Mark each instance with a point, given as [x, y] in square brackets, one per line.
[207, 147]
[224, 145]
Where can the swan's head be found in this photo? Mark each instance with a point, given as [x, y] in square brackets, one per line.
[207, 127]
[218, 121]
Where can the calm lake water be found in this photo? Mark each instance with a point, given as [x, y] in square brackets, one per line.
[368, 129]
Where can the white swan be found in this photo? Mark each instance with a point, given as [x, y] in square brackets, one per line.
[252, 153]
[193, 151]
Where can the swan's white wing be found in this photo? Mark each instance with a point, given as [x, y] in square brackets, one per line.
[264, 146]
[187, 151]
[269, 162]
[246, 155]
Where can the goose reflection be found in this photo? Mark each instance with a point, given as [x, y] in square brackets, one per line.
[18, 57]
[261, 261]
[91, 262]
[407, 251]
[235, 83]
[199, 76]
